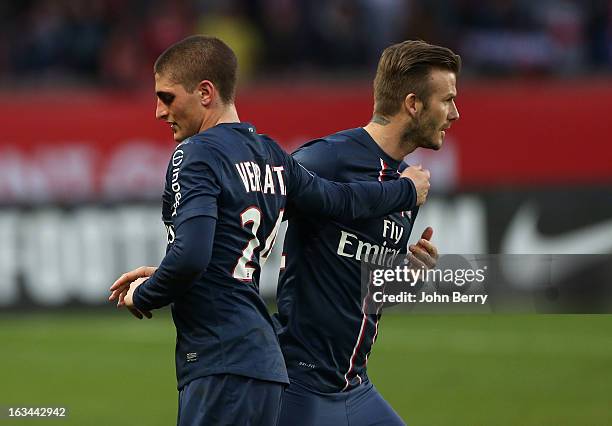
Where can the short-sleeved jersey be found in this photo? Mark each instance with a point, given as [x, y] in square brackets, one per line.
[243, 180]
[324, 334]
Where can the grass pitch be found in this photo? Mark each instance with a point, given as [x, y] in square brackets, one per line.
[108, 368]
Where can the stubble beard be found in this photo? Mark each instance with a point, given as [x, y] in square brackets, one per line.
[421, 132]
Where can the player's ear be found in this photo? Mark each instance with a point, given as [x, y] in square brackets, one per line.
[411, 104]
[206, 92]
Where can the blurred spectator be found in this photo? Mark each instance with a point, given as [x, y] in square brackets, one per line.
[283, 25]
[165, 24]
[114, 42]
[598, 32]
[123, 60]
[383, 23]
[229, 22]
[58, 40]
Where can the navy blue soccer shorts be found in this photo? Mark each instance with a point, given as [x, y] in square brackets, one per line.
[227, 399]
[362, 406]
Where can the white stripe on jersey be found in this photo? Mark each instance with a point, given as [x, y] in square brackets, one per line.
[383, 166]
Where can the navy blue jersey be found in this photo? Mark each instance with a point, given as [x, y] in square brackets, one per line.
[241, 180]
[324, 334]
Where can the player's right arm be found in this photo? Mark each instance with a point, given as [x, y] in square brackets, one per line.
[358, 200]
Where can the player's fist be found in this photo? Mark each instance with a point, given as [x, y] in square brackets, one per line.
[420, 177]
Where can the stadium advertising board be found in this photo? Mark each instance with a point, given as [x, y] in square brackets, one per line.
[57, 256]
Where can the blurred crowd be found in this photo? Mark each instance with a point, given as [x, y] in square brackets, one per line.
[114, 42]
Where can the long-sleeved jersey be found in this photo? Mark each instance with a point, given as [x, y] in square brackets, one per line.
[226, 192]
[324, 333]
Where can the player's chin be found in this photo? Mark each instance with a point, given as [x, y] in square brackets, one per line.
[178, 137]
[439, 140]
[435, 143]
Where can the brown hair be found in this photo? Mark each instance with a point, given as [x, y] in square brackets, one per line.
[198, 58]
[403, 69]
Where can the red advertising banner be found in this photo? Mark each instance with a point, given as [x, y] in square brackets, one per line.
[80, 145]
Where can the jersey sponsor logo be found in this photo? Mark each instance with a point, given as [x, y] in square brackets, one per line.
[253, 181]
[395, 231]
[352, 247]
[177, 160]
[171, 235]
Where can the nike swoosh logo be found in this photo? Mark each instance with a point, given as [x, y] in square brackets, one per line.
[523, 237]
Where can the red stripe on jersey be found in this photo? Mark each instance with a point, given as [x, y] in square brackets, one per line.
[364, 322]
[383, 167]
[373, 339]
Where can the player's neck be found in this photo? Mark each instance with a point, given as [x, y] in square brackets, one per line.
[225, 114]
[388, 137]
[229, 114]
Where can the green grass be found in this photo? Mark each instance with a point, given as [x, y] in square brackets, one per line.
[111, 369]
[496, 370]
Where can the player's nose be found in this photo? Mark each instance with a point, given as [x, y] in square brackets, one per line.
[453, 114]
[161, 111]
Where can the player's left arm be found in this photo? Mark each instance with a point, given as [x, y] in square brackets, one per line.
[195, 188]
[148, 288]
[318, 156]
[184, 263]
[349, 201]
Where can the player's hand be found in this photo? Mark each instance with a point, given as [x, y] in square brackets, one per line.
[424, 254]
[129, 300]
[121, 286]
[420, 177]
